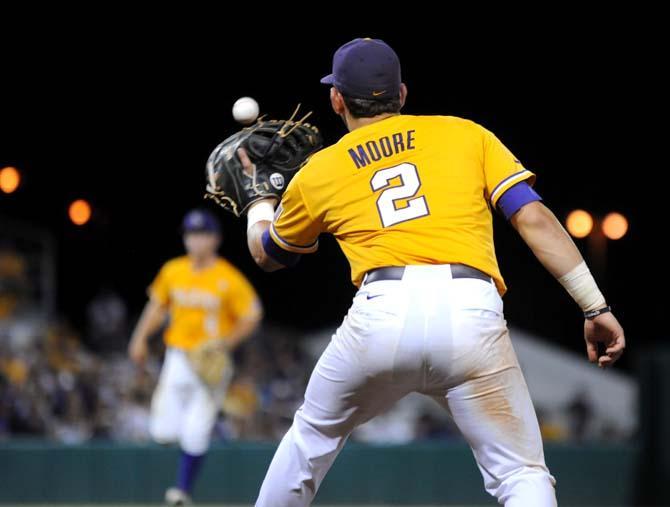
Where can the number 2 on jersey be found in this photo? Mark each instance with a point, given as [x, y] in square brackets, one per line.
[410, 183]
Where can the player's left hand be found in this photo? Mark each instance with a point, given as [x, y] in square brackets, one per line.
[605, 329]
[249, 167]
[247, 164]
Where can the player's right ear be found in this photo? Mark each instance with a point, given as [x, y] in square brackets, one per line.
[337, 101]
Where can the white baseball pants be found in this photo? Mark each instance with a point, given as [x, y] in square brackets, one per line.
[183, 408]
[443, 337]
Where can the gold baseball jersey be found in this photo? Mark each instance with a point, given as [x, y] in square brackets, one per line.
[203, 304]
[402, 191]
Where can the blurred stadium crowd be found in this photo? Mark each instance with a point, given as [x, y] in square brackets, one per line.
[75, 385]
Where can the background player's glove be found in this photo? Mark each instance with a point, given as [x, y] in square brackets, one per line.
[210, 360]
[277, 148]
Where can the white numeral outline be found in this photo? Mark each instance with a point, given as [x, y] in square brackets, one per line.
[410, 183]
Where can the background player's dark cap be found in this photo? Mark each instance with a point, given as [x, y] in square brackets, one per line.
[198, 220]
[366, 69]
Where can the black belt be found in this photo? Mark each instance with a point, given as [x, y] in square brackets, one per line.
[397, 272]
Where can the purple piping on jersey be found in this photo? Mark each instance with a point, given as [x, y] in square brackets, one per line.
[515, 197]
[493, 192]
[280, 255]
[292, 244]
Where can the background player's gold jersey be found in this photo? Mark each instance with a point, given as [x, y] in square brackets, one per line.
[405, 190]
[203, 304]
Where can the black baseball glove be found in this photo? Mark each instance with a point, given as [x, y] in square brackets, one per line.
[277, 148]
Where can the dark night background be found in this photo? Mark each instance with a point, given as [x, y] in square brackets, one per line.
[125, 116]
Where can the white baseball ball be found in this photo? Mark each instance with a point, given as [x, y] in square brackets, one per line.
[245, 110]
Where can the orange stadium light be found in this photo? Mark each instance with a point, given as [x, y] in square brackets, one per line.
[79, 212]
[10, 179]
[615, 226]
[579, 223]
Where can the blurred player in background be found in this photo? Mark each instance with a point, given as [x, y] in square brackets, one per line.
[409, 200]
[208, 301]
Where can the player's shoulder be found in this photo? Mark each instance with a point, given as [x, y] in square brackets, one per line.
[317, 159]
[462, 130]
[308, 172]
[176, 264]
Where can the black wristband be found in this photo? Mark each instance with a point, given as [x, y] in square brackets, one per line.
[595, 313]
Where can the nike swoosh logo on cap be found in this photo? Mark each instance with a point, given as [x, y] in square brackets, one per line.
[377, 94]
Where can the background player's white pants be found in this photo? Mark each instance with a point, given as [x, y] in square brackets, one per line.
[183, 408]
[443, 337]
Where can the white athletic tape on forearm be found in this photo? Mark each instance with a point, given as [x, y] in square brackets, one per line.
[260, 211]
[583, 288]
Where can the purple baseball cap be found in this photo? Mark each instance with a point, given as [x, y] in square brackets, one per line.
[198, 220]
[365, 69]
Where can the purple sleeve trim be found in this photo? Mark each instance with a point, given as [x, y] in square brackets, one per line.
[515, 197]
[282, 256]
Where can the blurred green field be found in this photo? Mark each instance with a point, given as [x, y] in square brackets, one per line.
[100, 474]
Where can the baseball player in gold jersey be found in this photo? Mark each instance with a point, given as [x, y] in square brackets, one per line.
[409, 200]
[209, 304]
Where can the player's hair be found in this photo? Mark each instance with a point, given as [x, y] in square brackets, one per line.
[367, 108]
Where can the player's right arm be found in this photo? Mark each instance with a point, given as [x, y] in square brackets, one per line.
[508, 188]
[153, 317]
[556, 251]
